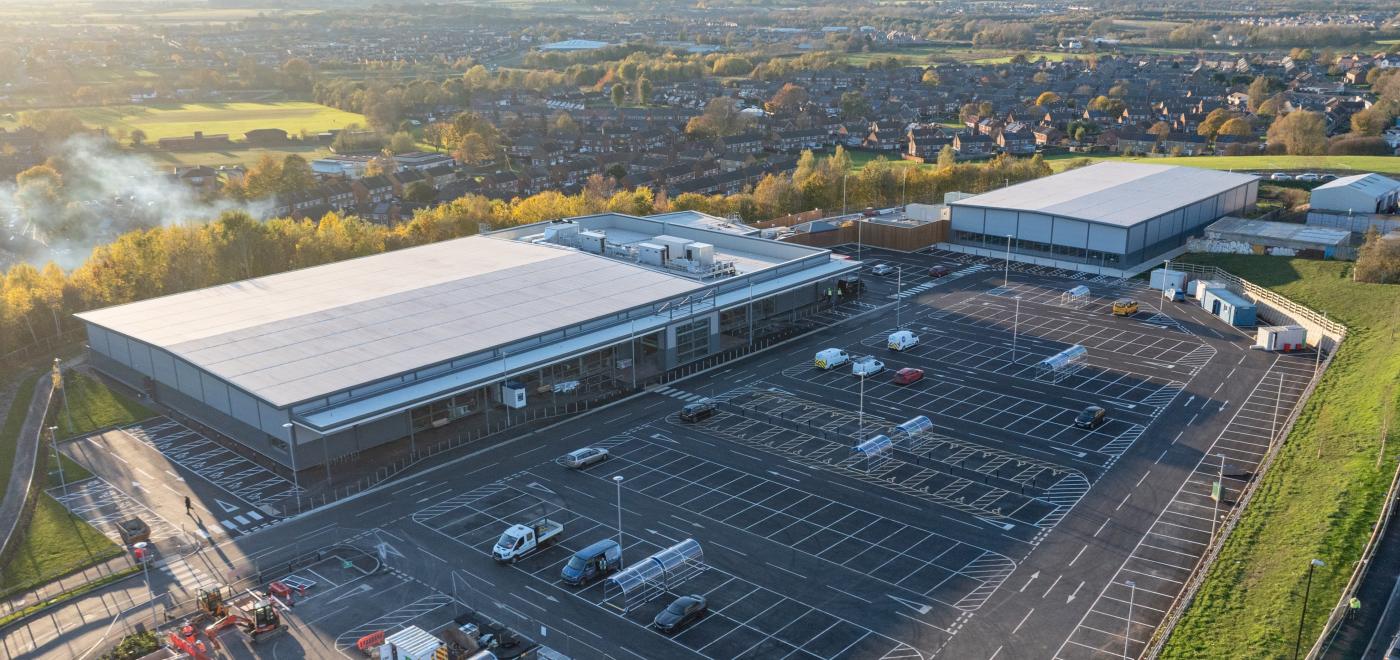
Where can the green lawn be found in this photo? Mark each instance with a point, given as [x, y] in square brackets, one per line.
[1382, 164]
[56, 543]
[1032, 56]
[234, 119]
[1323, 492]
[94, 406]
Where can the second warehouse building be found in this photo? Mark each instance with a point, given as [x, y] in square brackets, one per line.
[1114, 215]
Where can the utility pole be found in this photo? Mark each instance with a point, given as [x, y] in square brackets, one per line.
[1298, 644]
[53, 438]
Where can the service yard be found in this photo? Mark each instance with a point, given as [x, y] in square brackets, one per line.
[995, 528]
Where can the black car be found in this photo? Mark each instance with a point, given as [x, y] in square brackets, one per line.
[697, 411]
[938, 271]
[679, 613]
[1091, 418]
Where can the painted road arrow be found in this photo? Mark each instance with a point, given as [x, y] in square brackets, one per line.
[228, 508]
[917, 607]
[1076, 592]
[1028, 582]
[1071, 452]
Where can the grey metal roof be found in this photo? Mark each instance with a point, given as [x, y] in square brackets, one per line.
[1120, 194]
[1231, 226]
[1370, 184]
[302, 334]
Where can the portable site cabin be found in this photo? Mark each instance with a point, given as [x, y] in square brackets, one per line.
[1168, 279]
[411, 643]
[1229, 306]
[1199, 287]
[1282, 338]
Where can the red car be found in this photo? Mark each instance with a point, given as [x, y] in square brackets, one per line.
[908, 376]
[938, 271]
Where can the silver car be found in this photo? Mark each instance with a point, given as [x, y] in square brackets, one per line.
[582, 458]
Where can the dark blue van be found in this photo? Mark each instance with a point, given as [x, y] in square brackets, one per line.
[595, 562]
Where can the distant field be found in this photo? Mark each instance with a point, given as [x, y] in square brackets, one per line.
[235, 119]
[243, 157]
[920, 55]
[1032, 56]
[1381, 164]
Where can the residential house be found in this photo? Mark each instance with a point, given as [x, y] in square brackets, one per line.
[373, 189]
[973, 145]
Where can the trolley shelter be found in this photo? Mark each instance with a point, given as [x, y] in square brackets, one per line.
[651, 577]
[1075, 298]
[1061, 365]
[907, 431]
[876, 450]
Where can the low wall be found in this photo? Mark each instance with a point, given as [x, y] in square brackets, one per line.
[875, 234]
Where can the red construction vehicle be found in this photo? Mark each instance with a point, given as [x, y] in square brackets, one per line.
[257, 615]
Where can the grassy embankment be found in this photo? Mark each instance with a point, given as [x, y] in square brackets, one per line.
[1323, 492]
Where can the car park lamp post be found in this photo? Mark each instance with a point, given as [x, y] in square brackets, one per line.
[53, 437]
[1128, 627]
[1006, 269]
[1216, 492]
[898, 289]
[617, 479]
[1298, 644]
[296, 482]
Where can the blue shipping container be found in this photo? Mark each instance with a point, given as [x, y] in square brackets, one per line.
[1229, 306]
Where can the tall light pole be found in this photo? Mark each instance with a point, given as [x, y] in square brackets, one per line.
[1217, 491]
[898, 289]
[632, 338]
[296, 482]
[1006, 270]
[1015, 330]
[1128, 629]
[53, 438]
[617, 479]
[843, 193]
[1166, 266]
[62, 386]
[1298, 644]
[904, 189]
[860, 419]
[750, 315]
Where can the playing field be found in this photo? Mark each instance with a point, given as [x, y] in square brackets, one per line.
[1382, 164]
[234, 119]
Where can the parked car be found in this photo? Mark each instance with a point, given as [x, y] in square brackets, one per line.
[830, 358]
[939, 271]
[882, 269]
[680, 613]
[1327, 177]
[1091, 418]
[1174, 295]
[694, 412]
[1125, 307]
[582, 458]
[866, 366]
[1280, 176]
[908, 376]
[1309, 176]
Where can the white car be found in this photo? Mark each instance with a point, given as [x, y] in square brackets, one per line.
[881, 269]
[867, 366]
[1280, 176]
[582, 458]
[1309, 176]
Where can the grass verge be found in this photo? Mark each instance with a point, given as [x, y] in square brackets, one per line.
[54, 544]
[1322, 495]
[94, 406]
[66, 596]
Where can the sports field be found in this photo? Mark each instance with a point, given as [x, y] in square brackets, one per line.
[234, 119]
[1382, 164]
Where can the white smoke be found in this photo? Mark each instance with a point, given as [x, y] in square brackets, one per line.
[105, 192]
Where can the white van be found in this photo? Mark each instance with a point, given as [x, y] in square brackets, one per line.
[830, 358]
[866, 366]
[903, 339]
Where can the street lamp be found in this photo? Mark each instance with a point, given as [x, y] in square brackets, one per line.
[1216, 492]
[1006, 271]
[617, 479]
[296, 481]
[898, 289]
[1166, 266]
[1128, 628]
[1297, 645]
[53, 438]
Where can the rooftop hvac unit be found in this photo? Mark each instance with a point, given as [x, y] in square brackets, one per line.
[701, 253]
[651, 254]
[770, 233]
[563, 234]
[592, 241]
[675, 247]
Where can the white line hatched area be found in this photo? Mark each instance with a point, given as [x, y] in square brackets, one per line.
[103, 505]
[1162, 562]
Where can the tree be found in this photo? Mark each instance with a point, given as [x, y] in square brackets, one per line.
[644, 89]
[1047, 99]
[1160, 129]
[1302, 132]
[618, 94]
[402, 142]
[1112, 106]
[563, 124]
[1237, 127]
[53, 125]
[1210, 126]
[264, 178]
[790, 98]
[138, 137]
[947, 157]
[420, 192]
[854, 106]
[437, 134]
[1375, 119]
[720, 119]
[296, 175]
[931, 77]
[732, 65]
[1261, 89]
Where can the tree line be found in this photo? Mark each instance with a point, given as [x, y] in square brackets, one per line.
[36, 303]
